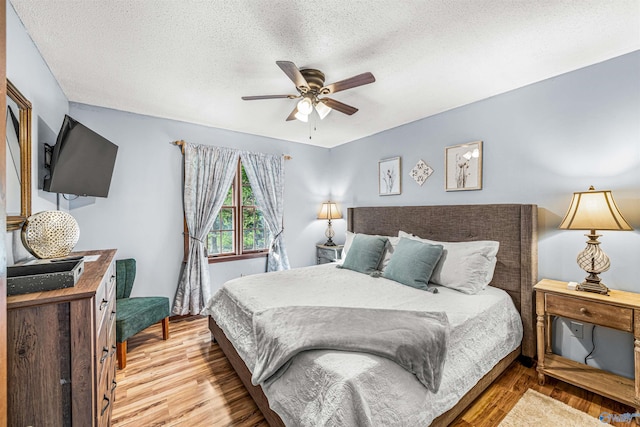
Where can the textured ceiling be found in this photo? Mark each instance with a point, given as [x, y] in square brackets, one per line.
[193, 60]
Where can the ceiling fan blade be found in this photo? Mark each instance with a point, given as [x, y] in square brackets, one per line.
[339, 106]
[292, 116]
[292, 71]
[251, 98]
[355, 81]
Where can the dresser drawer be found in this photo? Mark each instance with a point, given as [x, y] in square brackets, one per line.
[108, 387]
[105, 298]
[110, 277]
[106, 381]
[106, 337]
[102, 303]
[104, 410]
[105, 365]
[591, 312]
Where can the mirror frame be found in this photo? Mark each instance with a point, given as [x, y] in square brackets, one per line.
[14, 222]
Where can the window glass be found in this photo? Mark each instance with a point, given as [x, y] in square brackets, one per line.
[239, 227]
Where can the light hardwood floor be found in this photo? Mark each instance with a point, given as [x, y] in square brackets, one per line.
[188, 381]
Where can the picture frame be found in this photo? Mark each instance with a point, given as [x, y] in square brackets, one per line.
[463, 167]
[389, 176]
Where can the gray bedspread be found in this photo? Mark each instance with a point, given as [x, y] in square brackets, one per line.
[415, 340]
[322, 388]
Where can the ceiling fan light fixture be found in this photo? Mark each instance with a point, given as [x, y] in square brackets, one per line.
[302, 117]
[322, 110]
[309, 85]
[305, 106]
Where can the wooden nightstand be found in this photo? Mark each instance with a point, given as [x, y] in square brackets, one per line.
[618, 310]
[325, 254]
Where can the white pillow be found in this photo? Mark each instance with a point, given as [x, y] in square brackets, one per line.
[391, 247]
[347, 244]
[465, 266]
[387, 255]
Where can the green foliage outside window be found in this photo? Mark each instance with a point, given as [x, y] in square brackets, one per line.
[254, 231]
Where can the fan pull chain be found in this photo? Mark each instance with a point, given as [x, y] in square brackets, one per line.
[313, 122]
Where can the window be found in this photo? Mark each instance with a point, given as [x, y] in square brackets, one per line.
[239, 230]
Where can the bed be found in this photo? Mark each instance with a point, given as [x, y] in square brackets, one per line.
[514, 226]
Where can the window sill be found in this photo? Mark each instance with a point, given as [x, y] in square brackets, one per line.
[225, 258]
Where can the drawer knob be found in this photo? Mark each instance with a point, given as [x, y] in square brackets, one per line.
[104, 304]
[583, 310]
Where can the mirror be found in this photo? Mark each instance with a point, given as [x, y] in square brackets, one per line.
[18, 167]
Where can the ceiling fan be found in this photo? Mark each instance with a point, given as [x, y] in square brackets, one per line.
[310, 86]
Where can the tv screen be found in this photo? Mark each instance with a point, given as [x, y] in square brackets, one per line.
[81, 162]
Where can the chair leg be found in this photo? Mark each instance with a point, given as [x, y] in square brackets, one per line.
[121, 354]
[165, 328]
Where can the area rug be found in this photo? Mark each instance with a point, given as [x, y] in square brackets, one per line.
[536, 409]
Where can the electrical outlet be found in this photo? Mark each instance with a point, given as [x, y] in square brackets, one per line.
[577, 329]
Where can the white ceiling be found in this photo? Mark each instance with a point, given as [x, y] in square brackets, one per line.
[192, 60]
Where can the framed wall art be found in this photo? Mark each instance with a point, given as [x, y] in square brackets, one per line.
[389, 177]
[463, 167]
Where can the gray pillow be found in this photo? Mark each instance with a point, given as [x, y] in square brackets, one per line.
[413, 263]
[365, 254]
[464, 266]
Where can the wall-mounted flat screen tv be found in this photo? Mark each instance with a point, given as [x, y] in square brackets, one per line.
[81, 161]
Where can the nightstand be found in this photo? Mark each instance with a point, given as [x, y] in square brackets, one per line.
[325, 254]
[619, 310]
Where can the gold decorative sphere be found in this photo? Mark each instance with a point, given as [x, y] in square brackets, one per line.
[50, 234]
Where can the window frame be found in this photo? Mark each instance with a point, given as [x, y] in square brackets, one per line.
[238, 232]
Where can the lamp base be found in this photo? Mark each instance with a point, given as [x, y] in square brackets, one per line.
[329, 243]
[593, 286]
[329, 234]
[594, 261]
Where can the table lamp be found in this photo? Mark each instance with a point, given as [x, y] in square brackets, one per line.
[329, 211]
[593, 210]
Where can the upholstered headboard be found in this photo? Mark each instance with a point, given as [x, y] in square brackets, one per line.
[513, 225]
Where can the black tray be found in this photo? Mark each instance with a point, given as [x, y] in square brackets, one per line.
[44, 276]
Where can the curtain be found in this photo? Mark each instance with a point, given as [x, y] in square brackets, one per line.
[208, 174]
[266, 176]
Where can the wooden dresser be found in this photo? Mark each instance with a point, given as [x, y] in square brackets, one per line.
[61, 348]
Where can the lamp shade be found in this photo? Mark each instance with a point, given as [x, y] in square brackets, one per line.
[329, 210]
[322, 110]
[305, 106]
[594, 210]
[301, 117]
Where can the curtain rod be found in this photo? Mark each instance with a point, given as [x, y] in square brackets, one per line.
[182, 142]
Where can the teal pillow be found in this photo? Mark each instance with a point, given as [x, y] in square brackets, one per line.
[366, 253]
[413, 263]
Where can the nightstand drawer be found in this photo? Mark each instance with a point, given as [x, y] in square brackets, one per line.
[325, 254]
[591, 312]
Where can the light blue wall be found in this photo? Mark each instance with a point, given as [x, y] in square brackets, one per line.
[31, 75]
[142, 216]
[541, 143]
